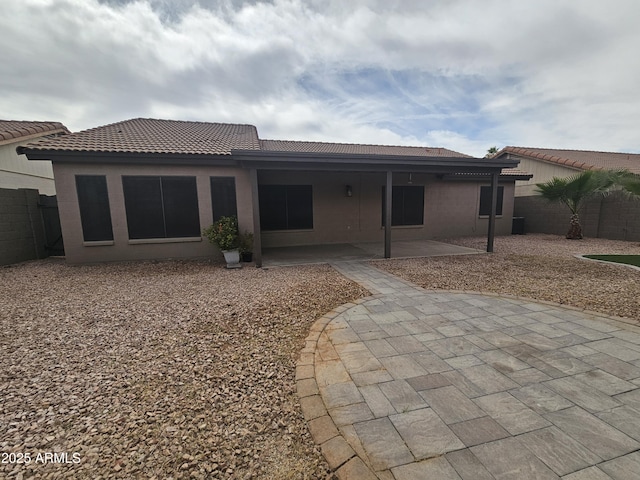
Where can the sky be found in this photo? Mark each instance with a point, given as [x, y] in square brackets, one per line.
[460, 74]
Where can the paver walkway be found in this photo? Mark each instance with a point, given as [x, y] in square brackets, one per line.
[414, 384]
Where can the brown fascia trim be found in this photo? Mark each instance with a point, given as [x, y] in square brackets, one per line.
[362, 162]
[132, 158]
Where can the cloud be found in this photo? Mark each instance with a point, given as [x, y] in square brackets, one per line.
[550, 73]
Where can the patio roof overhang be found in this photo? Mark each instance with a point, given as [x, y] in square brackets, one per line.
[285, 160]
[273, 160]
[489, 168]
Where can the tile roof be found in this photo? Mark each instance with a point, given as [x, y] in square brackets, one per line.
[516, 172]
[580, 159]
[146, 135]
[14, 130]
[356, 149]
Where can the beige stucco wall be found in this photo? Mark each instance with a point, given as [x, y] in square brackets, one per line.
[451, 208]
[16, 171]
[542, 172]
[78, 251]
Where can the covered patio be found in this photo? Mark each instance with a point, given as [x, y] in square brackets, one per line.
[313, 254]
[436, 167]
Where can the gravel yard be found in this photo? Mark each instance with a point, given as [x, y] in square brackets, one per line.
[535, 266]
[187, 370]
[158, 370]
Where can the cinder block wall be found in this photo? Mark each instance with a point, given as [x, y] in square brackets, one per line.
[615, 217]
[21, 229]
[620, 218]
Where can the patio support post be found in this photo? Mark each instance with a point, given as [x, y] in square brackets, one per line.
[255, 203]
[387, 217]
[492, 213]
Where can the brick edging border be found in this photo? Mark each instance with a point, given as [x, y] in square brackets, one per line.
[342, 459]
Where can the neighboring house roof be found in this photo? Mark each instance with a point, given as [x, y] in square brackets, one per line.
[515, 172]
[356, 149]
[12, 131]
[578, 159]
[147, 135]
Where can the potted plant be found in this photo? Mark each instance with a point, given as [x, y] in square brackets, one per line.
[224, 234]
[246, 246]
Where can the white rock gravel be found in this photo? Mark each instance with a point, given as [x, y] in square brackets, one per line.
[536, 266]
[159, 370]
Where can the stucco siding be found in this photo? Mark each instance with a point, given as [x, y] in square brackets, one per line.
[16, 171]
[450, 208]
[453, 209]
[542, 172]
[78, 251]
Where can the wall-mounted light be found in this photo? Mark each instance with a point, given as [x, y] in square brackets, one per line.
[348, 191]
[410, 179]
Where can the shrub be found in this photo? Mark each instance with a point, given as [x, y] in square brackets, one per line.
[223, 233]
[246, 242]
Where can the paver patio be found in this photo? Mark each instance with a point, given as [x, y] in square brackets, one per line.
[417, 384]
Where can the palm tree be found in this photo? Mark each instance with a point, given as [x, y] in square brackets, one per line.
[491, 152]
[575, 190]
[631, 184]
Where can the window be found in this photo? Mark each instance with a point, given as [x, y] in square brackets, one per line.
[161, 207]
[485, 201]
[407, 205]
[223, 197]
[95, 214]
[286, 207]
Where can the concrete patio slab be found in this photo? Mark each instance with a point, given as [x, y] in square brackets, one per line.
[309, 254]
[411, 384]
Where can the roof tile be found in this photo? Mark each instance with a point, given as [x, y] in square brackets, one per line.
[13, 130]
[146, 135]
[356, 149]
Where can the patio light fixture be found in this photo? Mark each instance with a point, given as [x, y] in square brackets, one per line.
[348, 191]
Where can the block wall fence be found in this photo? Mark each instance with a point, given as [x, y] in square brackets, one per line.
[22, 235]
[616, 217]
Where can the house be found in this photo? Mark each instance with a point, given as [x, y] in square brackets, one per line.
[145, 188]
[15, 170]
[545, 163]
[614, 217]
